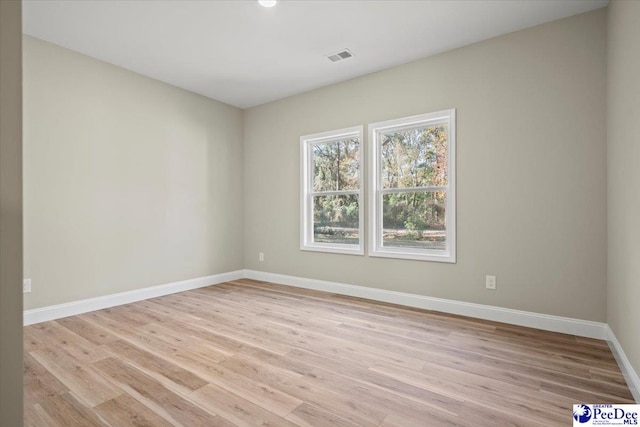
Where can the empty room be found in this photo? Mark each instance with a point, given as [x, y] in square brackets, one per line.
[319, 213]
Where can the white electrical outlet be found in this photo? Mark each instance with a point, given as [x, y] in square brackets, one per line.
[261, 256]
[26, 286]
[491, 282]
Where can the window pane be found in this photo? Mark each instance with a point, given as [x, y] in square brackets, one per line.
[336, 165]
[336, 219]
[414, 220]
[414, 157]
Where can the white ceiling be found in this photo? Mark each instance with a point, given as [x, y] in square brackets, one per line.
[245, 55]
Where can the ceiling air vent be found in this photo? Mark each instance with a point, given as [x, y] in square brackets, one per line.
[339, 56]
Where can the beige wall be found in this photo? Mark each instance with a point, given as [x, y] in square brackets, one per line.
[131, 183]
[10, 214]
[623, 69]
[531, 170]
[128, 182]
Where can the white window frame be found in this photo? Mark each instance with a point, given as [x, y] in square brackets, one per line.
[307, 193]
[376, 249]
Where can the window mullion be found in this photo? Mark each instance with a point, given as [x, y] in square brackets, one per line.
[334, 193]
[412, 189]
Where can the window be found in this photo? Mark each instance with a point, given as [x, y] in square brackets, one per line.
[331, 191]
[412, 188]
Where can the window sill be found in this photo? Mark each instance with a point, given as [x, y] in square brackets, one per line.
[446, 257]
[316, 247]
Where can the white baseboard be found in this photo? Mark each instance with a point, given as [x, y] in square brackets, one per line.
[583, 328]
[58, 311]
[566, 325]
[630, 375]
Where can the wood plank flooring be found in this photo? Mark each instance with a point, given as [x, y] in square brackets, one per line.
[249, 353]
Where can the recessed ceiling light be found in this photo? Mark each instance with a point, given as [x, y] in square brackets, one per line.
[267, 3]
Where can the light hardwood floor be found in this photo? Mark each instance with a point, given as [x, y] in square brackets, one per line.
[248, 353]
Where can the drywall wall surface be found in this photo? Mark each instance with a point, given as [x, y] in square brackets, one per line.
[128, 182]
[10, 214]
[623, 149]
[531, 170]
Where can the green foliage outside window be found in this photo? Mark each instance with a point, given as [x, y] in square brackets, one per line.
[336, 167]
[413, 161]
